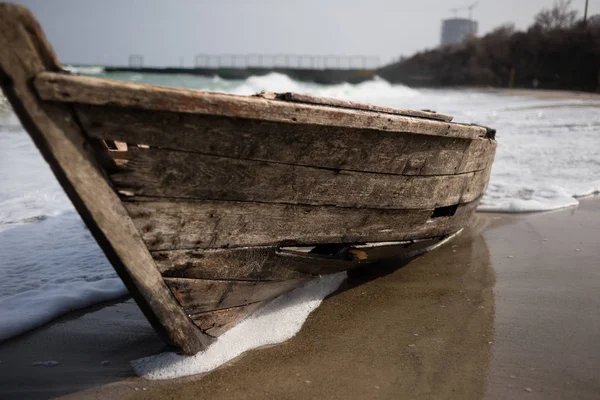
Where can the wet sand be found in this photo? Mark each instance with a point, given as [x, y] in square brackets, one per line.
[542, 94]
[547, 324]
[507, 310]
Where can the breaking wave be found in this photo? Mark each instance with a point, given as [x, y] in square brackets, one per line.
[85, 70]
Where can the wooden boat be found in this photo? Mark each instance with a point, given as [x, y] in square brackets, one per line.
[210, 205]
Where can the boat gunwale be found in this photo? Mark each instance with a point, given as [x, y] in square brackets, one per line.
[67, 88]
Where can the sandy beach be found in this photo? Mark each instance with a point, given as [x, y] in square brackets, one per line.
[234, 180]
[542, 94]
[509, 309]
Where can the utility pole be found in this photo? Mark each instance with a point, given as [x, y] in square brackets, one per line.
[585, 12]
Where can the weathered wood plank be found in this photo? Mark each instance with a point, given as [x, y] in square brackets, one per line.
[479, 156]
[170, 224]
[24, 53]
[217, 322]
[274, 263]
[198, 295]
[86, 90]
[310, 145]
[327, 101]
[247, 263]
[166, 173]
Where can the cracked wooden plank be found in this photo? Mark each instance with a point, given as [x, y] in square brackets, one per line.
[217, 322]
[169, 224]
[200, 295]
[165, 173]
[298, 144]
[275, 263]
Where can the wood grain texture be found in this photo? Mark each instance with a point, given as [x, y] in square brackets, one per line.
[85, 90]
[291, 143]
[25, 53]
[247, 264]
[166, 173]
[199, 295]
[274, 263]
[327, 101]
[217, 322]
[170, 224]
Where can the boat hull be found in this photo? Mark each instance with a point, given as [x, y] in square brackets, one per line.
[210, 205]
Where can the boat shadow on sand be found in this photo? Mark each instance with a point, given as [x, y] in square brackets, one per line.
[438, 307]
[117, 332]
[460, 268]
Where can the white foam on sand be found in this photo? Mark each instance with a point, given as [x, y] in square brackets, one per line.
[277, 322]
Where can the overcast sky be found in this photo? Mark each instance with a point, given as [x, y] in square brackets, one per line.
[108, 31]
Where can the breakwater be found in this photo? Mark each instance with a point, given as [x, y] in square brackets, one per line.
[322, 69]
[321, 76]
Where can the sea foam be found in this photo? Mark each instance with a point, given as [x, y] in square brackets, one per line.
[85, 70]
[278, 321]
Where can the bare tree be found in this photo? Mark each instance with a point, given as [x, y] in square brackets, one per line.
[505, 30]
[560, 16]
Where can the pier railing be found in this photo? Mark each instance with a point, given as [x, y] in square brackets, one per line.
[279, 61]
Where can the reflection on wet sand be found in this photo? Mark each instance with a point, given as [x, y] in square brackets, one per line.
[509, 309]
[547, 323]
[422, 330]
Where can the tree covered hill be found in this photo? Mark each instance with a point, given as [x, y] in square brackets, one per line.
[556, 52]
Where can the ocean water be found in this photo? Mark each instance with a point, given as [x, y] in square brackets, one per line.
[548, 155]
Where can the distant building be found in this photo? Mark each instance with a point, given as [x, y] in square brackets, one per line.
[455, 30]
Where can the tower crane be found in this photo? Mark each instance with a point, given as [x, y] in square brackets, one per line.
[470, 7]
